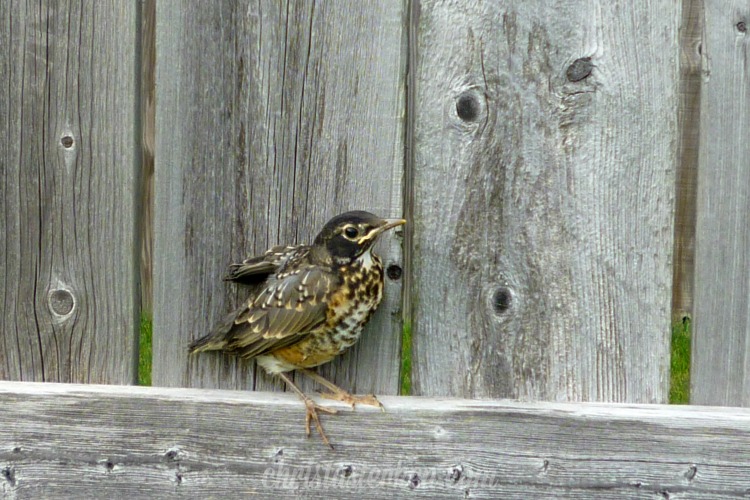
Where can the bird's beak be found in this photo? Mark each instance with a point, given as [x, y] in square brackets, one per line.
[389, 224]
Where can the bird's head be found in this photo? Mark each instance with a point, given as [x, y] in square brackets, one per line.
[351, 234]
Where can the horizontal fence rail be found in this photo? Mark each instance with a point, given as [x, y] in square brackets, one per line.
[65, 440]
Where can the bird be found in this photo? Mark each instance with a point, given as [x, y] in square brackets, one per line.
[311, 304]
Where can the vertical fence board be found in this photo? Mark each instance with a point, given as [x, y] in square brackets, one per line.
[270, 119]
[544, 186]
[720, 371]
[68, 175]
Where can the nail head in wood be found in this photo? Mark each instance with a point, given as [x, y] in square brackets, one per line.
[457, 472]
[692, 471]
[414, 481]
[580, 69]
[9, 474]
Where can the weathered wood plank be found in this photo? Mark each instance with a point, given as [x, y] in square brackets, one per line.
[720, 371]
[271, 118]
[688, 117]
[68, 175]
[545, 149]
[82, 441]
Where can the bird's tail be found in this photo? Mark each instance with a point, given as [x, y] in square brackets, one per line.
[217, 339]
[205, 343]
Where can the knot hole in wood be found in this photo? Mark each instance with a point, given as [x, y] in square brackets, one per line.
[394, 272]
[67, 141]
[502, 300]
[580, 69]
[61, 302]
[470, 106]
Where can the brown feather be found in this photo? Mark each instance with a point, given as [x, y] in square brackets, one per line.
[288, 306]
[255, 270]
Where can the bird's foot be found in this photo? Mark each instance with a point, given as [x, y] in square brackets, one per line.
[351, 399]
[312, 409]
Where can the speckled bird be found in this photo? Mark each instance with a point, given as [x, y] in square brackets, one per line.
[312, 303]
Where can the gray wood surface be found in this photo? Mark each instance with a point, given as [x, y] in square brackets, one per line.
[271, 119]
[688, 116]
[68, 177]
[543, 199]
[63, 441]
[721, 337]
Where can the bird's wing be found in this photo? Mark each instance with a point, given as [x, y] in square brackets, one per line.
[289, 306]
[255, 270]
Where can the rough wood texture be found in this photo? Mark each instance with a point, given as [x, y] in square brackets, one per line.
[688, 117]
[543, 202]
[68, 176]
[63, 441]
[721, 338]
[271, 119]
[148, 133]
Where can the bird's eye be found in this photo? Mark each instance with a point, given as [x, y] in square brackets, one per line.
[351, 232]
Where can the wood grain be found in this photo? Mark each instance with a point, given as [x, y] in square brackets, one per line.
[543, 199]
[720, 372]
[148, 134]
[271, 118]
[68, 177]
[65, 441]
[688, 117]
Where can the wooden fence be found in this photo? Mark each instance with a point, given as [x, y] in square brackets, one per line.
[574, 174]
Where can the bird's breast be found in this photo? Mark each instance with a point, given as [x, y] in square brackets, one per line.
[350, 306]
[359, 295]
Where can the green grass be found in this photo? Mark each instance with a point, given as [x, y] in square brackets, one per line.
[679, 389]
[145, 353]
[405, 373]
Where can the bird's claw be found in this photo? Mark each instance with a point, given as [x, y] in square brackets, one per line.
[350, 399]
[312, 416]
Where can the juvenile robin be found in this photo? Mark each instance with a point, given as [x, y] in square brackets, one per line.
[311, 306]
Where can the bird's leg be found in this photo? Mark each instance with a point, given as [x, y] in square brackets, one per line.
[339, 394]
[312, 410]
